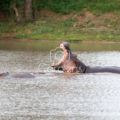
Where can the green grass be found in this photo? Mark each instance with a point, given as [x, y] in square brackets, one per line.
[62, 30]
[66, 23]
[4, 27]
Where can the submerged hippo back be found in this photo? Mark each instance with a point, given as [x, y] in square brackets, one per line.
[25, 75]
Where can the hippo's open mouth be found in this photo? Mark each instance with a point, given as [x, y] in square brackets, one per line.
[59, 64]
[65, 53]
[67, 62]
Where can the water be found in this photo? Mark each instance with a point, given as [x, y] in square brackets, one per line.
[56, 95]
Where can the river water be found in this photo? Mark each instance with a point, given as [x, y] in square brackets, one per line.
[56, 95]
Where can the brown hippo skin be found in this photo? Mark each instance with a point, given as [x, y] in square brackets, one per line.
[24, 75]
[70, 63]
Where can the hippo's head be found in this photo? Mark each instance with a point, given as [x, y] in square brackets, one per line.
[68, 59]
[5, 74]
[65, 46]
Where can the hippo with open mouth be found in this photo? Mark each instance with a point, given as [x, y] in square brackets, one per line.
[71, 64]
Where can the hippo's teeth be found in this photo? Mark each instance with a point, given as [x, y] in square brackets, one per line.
[53, 63]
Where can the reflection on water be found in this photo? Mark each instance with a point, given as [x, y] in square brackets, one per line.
[47, 46]
[57, 95]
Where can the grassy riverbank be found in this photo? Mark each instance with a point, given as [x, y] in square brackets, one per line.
[92, 21]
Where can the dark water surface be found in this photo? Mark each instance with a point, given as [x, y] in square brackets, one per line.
[56, 95]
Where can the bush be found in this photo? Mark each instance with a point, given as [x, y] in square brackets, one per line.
[6, 5]
[66, 6]
[60, 6]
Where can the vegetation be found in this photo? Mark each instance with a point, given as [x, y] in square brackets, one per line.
[60, 29]
[12, 6]
[69, 19]
[66, 6]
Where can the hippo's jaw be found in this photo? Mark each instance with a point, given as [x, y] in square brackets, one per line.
[65, 57]
[60, 64]
[64, 49]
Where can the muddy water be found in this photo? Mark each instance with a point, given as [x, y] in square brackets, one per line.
[56, 95]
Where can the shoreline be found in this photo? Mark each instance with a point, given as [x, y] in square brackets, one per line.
[74, 41]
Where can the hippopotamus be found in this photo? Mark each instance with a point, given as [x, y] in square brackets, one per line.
[24, 75]
[71, 64]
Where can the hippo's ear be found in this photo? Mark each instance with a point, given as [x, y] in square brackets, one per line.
[74, 55]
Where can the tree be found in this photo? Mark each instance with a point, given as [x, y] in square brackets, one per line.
[16, 12]
[28, 10]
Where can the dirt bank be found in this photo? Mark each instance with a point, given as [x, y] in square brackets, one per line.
[75, 41]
